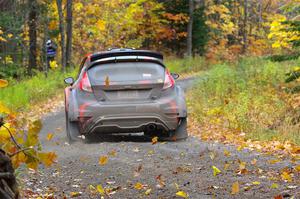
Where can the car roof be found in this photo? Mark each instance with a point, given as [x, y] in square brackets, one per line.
[119, 55]
[125, 52]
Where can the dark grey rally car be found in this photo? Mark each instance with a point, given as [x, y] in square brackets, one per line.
[125, 91]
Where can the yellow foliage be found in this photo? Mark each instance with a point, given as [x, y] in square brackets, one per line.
[280, 35]
[3, 83]
[100, 25]
[8, 59]
[53, 64]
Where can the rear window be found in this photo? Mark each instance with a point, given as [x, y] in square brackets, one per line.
[126, 71]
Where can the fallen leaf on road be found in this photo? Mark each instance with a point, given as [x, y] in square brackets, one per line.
[138, 170]
[212, 155]
[182, 170]
[100, 190]
[112, 153]
[274, 186]
[256, 183]
[235, 188]
[154, 140]
[160, 181]
[286, 176]
[148, 191]
[138, 186]
[75, 194]
[226, 166]
[297, 168]
[278, 197]
[182, 194]
[216, 171]
[226, 153]
[176, 185]
[254, 161]
[49, 136]
[292, 187]
[103, 160]
[274, 161]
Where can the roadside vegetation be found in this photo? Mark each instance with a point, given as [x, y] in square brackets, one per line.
[20, 95]
[249, 97]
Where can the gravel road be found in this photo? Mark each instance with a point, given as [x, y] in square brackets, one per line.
[165, 168]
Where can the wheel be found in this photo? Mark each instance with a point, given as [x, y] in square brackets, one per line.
[180, 133]
[72, 130]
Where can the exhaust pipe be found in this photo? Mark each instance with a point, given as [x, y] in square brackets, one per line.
[151, 127]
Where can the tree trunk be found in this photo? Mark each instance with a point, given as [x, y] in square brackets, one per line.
[32, 24]
[190, 28]
[62, 33]
[245, 21]
[8, 182]
[69, 33]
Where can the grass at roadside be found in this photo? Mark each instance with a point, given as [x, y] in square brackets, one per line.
[247, 98]
[19, 96]
[186, 65]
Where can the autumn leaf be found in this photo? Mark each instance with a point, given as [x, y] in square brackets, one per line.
[112, 153]
[182, 194]
[256, 183]
[101, 25]
[148, 191]
[75, 194]
[242, 165]
[103, 160]
[154, 140]
[254, 161]
[138, 186]
[286, 176]
[160, 181]
[107, 81]
[274, 161]
[278, 197]
[297, 168]
[235, 188]
[216, 171]
[274, 186]
[47, 158]
[3, 83]
[100, 190]
[49, 136]
[226, 153]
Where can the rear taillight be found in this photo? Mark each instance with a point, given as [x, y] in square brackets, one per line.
[85, 84]
[169, 81]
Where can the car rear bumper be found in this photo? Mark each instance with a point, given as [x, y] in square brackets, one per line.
[129, 124]
[126, 117]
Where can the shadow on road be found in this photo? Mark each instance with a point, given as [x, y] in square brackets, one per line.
[117, 138]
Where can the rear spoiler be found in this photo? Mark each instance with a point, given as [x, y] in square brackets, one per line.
[124, 52]
[123, 58]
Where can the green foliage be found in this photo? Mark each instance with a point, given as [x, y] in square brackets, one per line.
[246, 97]
[186, 65]
[12, 70]
[280, 58]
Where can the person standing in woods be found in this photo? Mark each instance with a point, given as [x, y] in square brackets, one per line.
[50, 51]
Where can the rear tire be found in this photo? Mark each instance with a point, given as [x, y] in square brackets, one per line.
[180, 133]
[72, 130]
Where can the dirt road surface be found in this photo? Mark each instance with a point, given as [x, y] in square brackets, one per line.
[166, 168]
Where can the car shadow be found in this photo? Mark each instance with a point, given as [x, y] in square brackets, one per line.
[117, 138]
